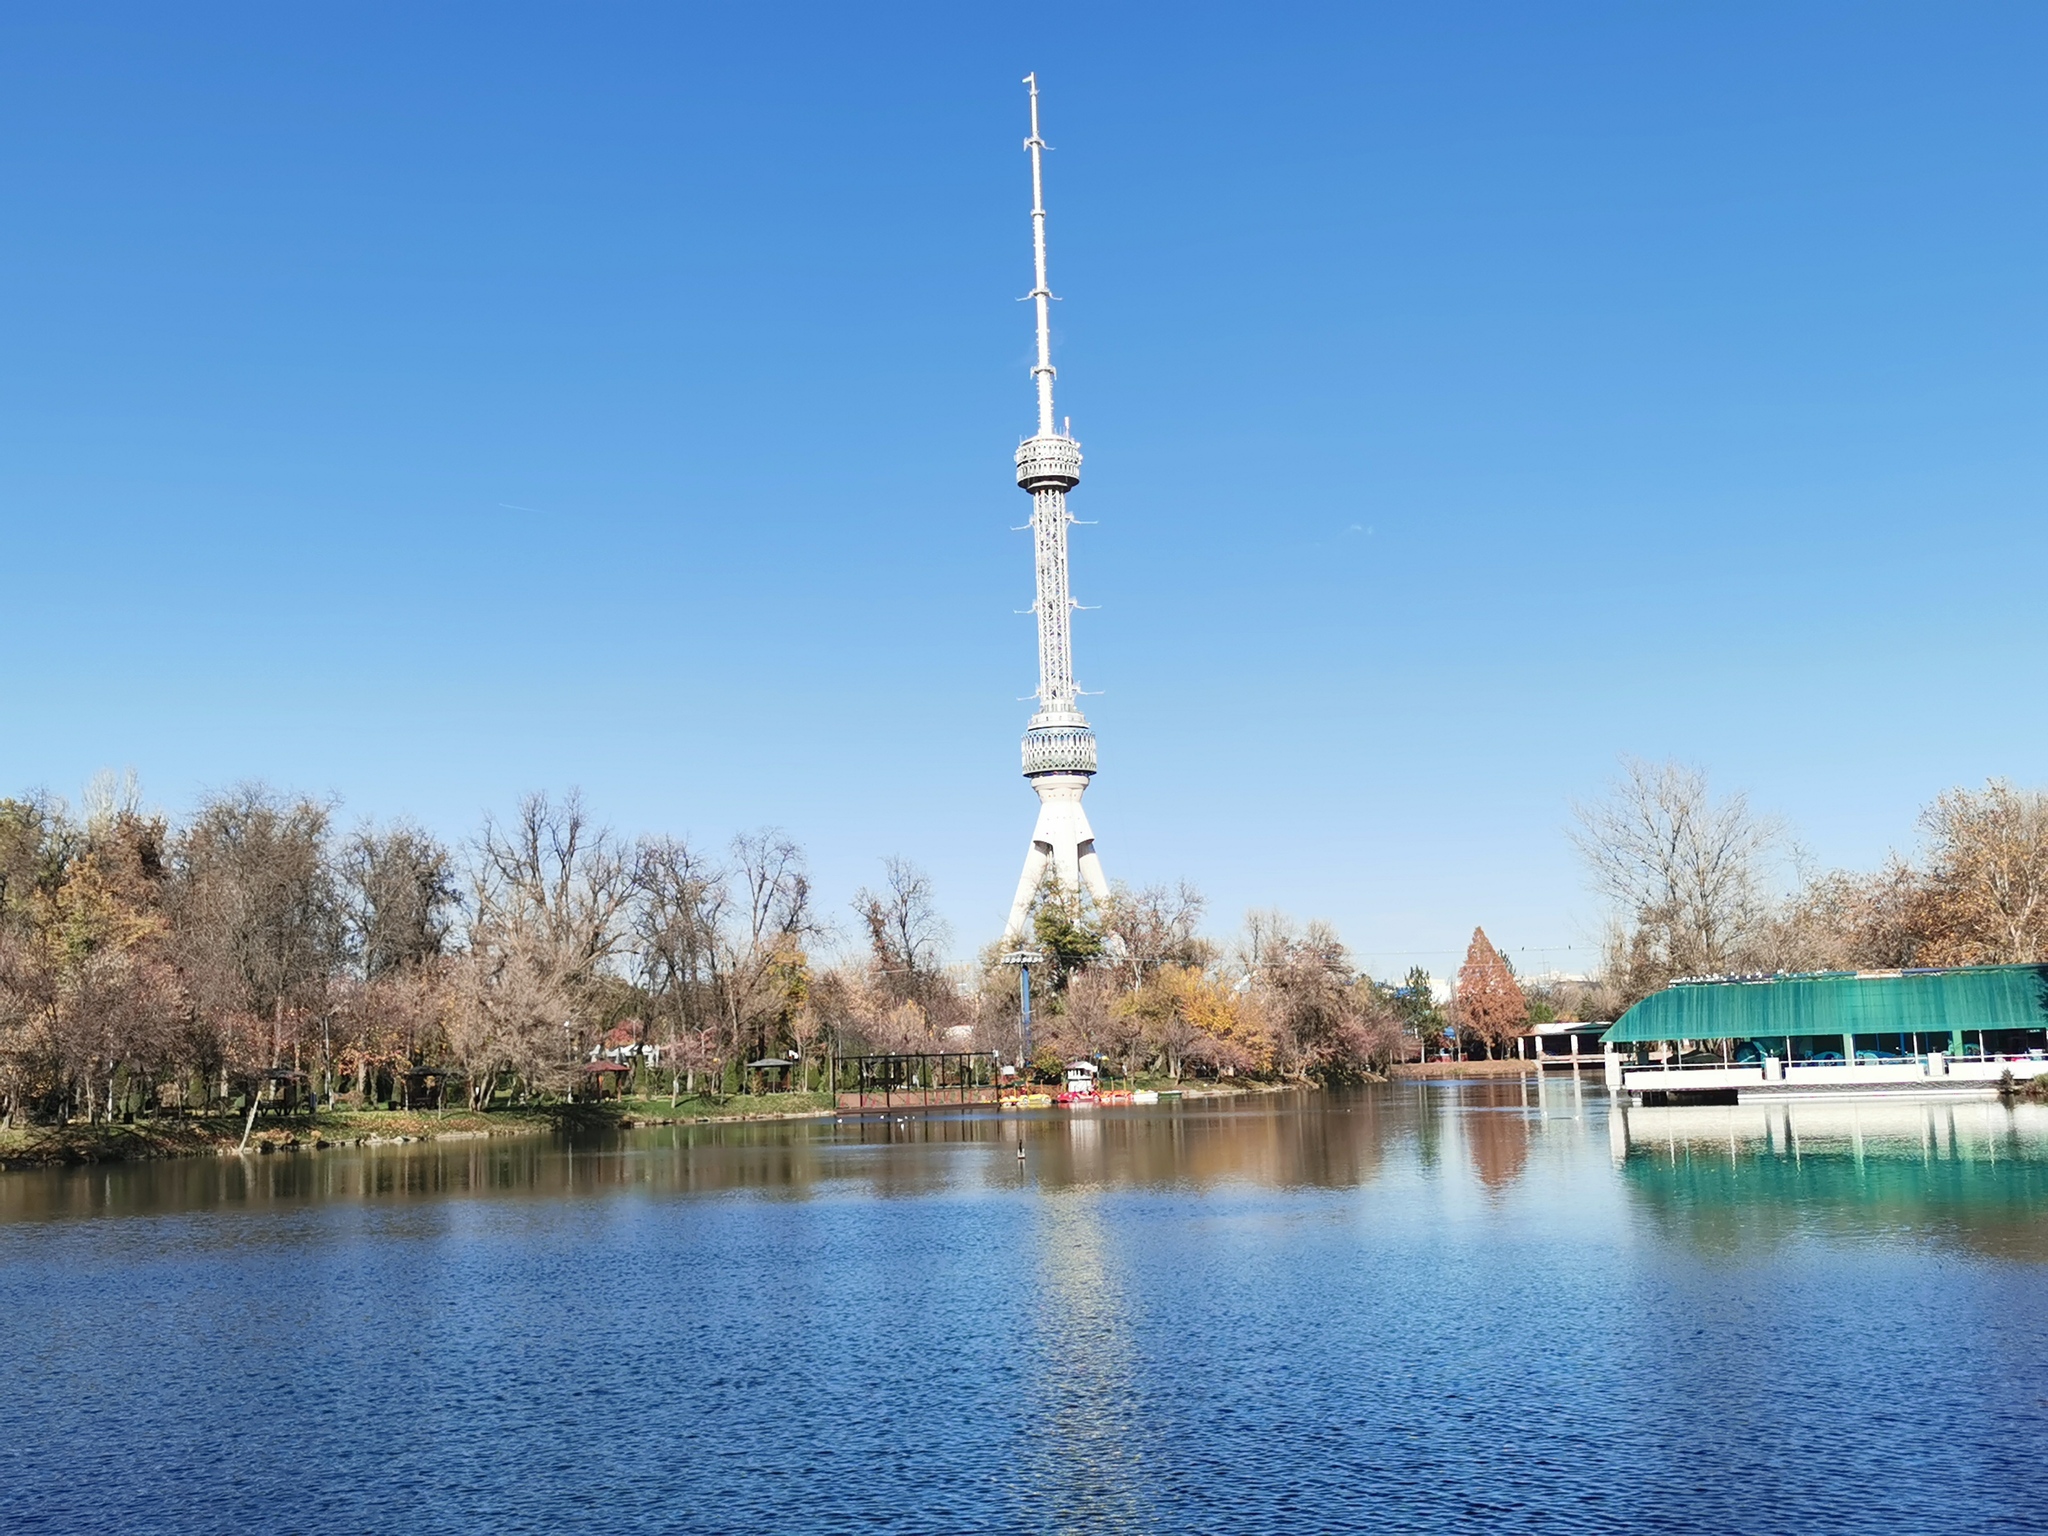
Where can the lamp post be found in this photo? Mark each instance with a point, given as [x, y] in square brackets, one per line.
[1024, 959]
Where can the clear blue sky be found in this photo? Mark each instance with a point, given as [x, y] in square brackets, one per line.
[423, 404]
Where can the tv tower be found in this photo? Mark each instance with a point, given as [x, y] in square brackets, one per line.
[1059, 748]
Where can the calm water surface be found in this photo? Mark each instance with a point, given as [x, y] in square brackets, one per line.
[1482, 1307]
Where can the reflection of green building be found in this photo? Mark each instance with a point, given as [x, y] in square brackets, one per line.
[1958, 1030]
[1968, 1175]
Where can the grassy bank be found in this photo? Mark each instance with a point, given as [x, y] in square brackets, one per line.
[690, 1110]
[39, 1146]
[1511, 1067]
[203, 1135]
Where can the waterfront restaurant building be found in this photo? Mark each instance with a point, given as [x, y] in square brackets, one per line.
[1958, 1030]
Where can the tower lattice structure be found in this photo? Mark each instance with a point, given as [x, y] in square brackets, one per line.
[1059, 747]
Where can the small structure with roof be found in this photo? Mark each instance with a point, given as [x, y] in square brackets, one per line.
[607, 1079]
[1963, 1030]
[772, 1073]
[286, 1090]
[1564, 1044]
[919, 1079]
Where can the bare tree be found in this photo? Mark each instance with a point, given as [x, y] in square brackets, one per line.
[1980, 898]
[1840, 920]
[1686, 871]
[906, 936]
[1373, 1032]
[557, 876]
[129, 955]
[509, 1013]
[1096, 1019]
[681, 900]
[255, 919]
[552, 895]
[1988, 875]
[396, 1022]
[1154, 927]
[759, 929]
[1303, 978]
[398, 896]
[1265, 931]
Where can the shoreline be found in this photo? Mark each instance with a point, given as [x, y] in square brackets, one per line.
[1412, 1071]
[70, 1146]
[75, 1145]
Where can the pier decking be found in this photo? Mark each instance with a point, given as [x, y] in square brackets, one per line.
[1929, 1076]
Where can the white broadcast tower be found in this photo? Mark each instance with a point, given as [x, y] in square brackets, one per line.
[1059, 749]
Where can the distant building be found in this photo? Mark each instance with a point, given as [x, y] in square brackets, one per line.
[1562, 1043]
[624, 1042]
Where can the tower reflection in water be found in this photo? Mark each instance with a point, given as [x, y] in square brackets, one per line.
[1084, 1462]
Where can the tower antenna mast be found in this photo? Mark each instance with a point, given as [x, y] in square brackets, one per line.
[1042, 372]
[1059, 748]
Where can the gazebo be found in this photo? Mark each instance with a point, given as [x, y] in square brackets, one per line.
[599, 1073]
[767, 1065]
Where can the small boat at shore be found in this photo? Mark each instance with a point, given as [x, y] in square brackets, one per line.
[1082, 1090]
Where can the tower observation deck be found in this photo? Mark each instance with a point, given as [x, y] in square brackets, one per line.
[1059, 747]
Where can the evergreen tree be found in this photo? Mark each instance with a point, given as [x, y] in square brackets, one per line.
[1068, 930]
[1417, 1006]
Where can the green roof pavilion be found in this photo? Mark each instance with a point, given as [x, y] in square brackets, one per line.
[1836, 1004]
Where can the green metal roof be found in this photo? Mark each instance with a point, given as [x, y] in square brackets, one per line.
[1841, 1003]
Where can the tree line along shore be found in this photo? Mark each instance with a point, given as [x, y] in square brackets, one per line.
[259, 955]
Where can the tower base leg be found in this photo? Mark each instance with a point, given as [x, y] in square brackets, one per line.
[1062, 842]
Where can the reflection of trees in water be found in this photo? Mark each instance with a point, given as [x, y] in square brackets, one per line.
[1970, 1175]
[1284, 1142]
[544, 1166]
[1084, 1463]
[1493, 1117]
[1326, 1141]
[1498, 1143]
[1429, 1115]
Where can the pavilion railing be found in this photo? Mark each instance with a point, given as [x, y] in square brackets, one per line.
[1793, 1063]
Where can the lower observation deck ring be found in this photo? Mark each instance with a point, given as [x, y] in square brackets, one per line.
[1062, 749]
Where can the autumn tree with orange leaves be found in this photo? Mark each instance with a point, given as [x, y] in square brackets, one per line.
[1491, 1007]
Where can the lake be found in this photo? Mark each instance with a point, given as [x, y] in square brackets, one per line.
[1485, 1306]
